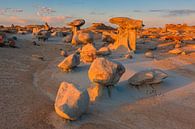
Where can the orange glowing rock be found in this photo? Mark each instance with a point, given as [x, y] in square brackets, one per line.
[69, 63]
[105, 72]
[88, 53]
[127, 32]
[94, 92]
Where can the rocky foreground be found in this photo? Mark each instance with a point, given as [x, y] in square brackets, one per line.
[29, 81]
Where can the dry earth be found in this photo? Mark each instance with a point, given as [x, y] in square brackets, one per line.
[28, 87]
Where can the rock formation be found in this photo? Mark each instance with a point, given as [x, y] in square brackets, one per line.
[88, 53]
[127, 32]
[69, 62]
[105, 72]
[71, 101]
[147, 77]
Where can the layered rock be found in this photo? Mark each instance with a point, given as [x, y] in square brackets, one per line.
[147, 77]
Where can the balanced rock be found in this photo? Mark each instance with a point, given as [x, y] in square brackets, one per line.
[69, 62]
[77, 23]
[105, 72]
[88, 53]
[82, 37]
[71, 102]
[147, 77]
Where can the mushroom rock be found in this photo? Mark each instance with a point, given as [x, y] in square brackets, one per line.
[127, 32]
[76, 24]
[105, 72]
[88, 53]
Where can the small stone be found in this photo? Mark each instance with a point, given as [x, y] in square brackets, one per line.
[149, 54]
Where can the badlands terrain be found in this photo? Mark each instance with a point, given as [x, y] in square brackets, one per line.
[30, 79]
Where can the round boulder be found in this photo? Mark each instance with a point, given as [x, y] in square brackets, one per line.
[105, 72]
[88, 53]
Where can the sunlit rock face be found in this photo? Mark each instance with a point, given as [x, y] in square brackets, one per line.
[79, 36]
[127, 32]
[88, 53]
[147, 77]
[82, 37]
[69, 63]
[71, 102]
[94, 92]
[105, 72]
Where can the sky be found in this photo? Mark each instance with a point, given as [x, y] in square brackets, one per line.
[154, 13]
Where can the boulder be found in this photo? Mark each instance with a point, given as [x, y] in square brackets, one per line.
[147, 77]
[88, 53]
[82, 37]
[69, 62]
[149, 54]
[105, 72]
[71, 101]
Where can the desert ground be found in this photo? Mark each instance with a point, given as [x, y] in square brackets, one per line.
[28, 87]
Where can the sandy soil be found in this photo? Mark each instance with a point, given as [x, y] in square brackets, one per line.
[28, 88]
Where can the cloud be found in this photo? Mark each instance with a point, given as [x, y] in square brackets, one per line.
[44, 11]
[53, 19]
[10, 11]
[184, 12]
[174, 13]
[97, 13]
[56, 19]
[13, 20]
[137, 11]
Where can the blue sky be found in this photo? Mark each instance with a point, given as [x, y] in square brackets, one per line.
[59, 12]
